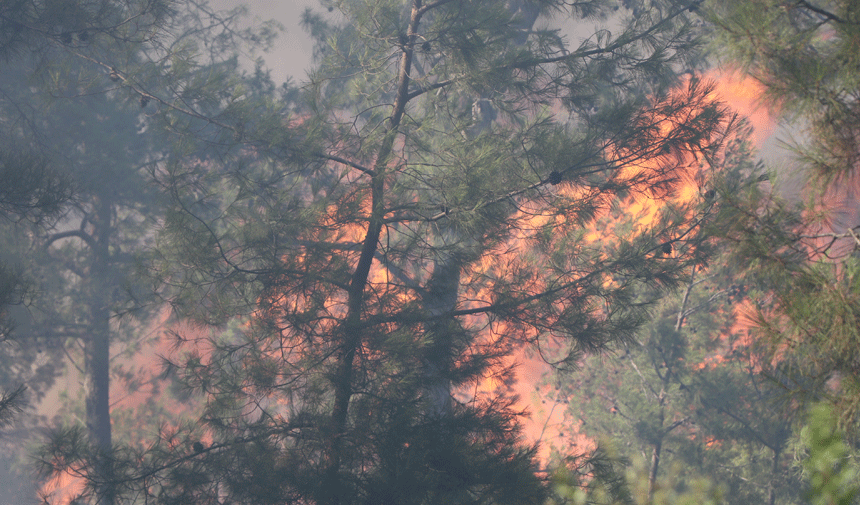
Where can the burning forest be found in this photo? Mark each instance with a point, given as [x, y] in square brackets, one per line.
[485, 252]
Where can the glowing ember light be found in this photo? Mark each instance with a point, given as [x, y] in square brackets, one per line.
[547, 424]
[62, 488]
[745, 96]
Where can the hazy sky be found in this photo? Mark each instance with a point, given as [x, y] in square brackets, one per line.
[291, 55]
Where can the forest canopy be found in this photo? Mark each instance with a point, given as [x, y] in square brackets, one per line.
[322, 293]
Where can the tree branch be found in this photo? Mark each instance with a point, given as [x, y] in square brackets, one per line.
[72, 233]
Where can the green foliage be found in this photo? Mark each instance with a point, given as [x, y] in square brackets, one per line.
[814, 330]
[32, 189]
[594, 478]
[831, 468]
[803, 248]
[11, 403]
[83, 89]
[691, 392]
[602, 479]
[805, 54]
[677, 486]
[13, 291]
[737, 399]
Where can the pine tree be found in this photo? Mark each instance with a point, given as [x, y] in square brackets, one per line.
[805, 54]
[691, 391]
[76, 100]
[805, 338]
[692, 400]
[35, 188]
[373, 246]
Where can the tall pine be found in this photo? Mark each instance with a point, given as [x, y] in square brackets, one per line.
[803, 241]
[80, 86]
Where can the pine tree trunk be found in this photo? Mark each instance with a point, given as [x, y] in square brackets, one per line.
[655, 466]
[332, 491]
[443, 287]
[97, 346]
[440, 298]
[656, 453]
[771, 488]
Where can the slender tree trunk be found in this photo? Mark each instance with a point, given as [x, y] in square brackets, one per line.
[440, 298]
[97, 346]
[658, 445]
[332, 490]
[679, 321]
[655, 458]
[655, 466]
[774, 468]
[442, 290]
